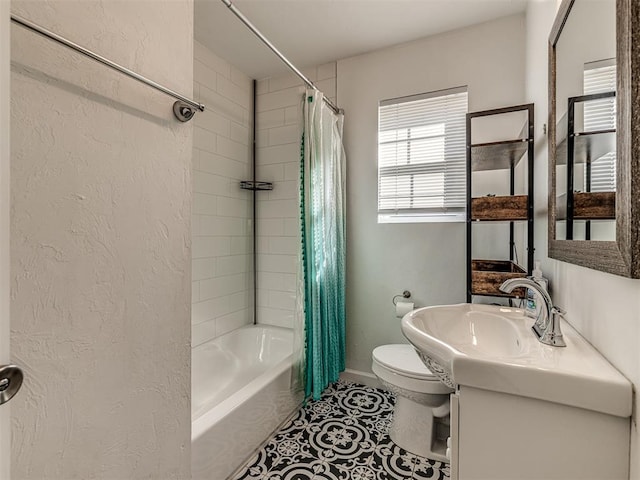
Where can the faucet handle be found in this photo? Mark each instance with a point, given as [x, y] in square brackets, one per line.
[559, 311]
[553, 334]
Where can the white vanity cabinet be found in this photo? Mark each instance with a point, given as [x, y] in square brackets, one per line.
[499, 436]
[522, 409]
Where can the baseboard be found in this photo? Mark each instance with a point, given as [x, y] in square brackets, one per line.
[363, 378]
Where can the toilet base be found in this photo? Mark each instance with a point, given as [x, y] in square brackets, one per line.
[414, 429]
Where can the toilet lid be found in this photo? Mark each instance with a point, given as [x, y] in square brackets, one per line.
[404, 360]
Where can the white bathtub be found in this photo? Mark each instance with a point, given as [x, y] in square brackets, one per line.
[241, 391]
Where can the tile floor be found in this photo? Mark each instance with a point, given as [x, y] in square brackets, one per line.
[342, 436]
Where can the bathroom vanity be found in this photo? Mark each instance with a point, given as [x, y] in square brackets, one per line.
[500, 436]
[522, 409]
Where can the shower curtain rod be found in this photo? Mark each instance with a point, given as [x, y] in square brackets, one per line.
[183, 109]
[272, 47]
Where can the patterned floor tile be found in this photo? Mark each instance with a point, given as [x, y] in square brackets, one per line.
[342, 436]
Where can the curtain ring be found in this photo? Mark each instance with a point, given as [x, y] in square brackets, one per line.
[405, 294]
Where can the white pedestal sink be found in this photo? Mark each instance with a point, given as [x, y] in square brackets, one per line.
[522, 409]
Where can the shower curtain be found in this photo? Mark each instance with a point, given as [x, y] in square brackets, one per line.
[321, 277]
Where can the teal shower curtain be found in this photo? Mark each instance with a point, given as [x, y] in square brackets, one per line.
[321, 285]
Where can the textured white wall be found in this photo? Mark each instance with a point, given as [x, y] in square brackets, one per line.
[100, 243]
[604, 308]
[279, 111]
[222, 290]
[426, 258]
[5, 430]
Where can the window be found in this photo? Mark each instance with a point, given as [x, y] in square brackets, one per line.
[421, 157]
[600, 77]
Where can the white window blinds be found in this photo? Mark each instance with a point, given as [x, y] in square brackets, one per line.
[600, 77]
[421, 156]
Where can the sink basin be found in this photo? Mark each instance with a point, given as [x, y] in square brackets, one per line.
[493, 348]
[470, 328]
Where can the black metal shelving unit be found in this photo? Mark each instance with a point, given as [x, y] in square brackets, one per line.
[499, 156]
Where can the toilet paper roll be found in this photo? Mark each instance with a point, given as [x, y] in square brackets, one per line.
[402, 308]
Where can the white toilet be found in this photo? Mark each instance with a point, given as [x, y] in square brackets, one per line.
[421, 415]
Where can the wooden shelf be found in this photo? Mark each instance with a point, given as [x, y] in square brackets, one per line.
[502, 208]
[588, 206]
[497, 155]
[587, 146]
[488, 275]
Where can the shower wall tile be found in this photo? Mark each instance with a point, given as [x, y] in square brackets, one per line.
[286, 191]
[271, 173]
[239, 133]
[284, 135]
[203, 268]
[222, 242]
[232, 264]
[268, 208]
[241, 245]
[224, 106]
[232, 150]
[228, 323]
[291, 115]
[271, 119]
[276, 317]
[202, 332]
[289, 97]
[279, 153]
[292, 171]
[205, 75]
[291, 227]
[278, 263]
[204, 204]
[290, 79]
[328, 87]
[241, 80]
[233, 92]
[278, 124]
[207, 57]
[213, 122]
[262, 86]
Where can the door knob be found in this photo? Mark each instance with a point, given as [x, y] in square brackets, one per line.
[10, 382]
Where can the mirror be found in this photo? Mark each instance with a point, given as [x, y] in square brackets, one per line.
[592, 220]
[586, 123]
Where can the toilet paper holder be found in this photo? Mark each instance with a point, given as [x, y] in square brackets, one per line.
[405, 294]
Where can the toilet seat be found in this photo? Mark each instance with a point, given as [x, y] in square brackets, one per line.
[403, 360]
[400, 365]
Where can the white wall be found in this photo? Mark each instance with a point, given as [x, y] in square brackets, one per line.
[5, 75]
[426, 258]
[278, 216]
[100, 243]
[604, 308]
[222, 289]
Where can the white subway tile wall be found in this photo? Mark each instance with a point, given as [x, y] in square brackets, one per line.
[278, 123]
[222, 288]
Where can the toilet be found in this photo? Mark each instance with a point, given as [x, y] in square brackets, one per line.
[421, 415]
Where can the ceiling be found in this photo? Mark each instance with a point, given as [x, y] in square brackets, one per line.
[313, 32]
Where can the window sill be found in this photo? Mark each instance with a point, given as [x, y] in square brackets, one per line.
[453, 218]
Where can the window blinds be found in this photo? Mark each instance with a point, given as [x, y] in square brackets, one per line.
[601, 115]
[421, 154]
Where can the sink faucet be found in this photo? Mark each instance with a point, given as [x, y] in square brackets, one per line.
[547, 324]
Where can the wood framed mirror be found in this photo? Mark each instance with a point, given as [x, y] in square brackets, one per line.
[594, 165]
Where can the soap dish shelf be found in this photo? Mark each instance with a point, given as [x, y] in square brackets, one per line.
[255, 186]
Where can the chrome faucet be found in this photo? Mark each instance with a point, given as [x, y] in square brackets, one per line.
[547, 324]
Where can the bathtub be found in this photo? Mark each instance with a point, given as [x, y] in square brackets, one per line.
[240, 393]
